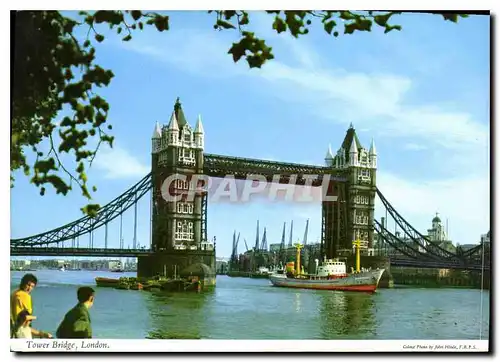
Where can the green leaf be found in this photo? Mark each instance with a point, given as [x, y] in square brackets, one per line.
[99, 37]
[329, 26]
[225, 24]
[382, 19]
[91, 210]
[389, 28]
[279, 25]
[136, 14]
[127, 38]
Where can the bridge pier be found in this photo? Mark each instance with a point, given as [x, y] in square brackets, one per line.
[440, 277]
[173, 263]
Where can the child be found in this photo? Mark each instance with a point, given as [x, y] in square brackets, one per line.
[23, 329]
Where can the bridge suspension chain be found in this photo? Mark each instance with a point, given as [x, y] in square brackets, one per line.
[404, 248]
[420, 239]
[86, 224]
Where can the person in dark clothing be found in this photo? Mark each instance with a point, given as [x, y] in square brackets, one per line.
[76, 323]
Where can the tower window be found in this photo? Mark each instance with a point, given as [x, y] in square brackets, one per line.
[182, 184]
[184, 231]
[185, 208]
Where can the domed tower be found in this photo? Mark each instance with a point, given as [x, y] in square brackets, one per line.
[436, 221]
[437, 233]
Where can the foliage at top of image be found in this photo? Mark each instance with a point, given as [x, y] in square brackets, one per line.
[55, 70]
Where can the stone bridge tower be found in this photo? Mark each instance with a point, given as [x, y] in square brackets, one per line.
[179, 219]
[351, 216]
[177, 155]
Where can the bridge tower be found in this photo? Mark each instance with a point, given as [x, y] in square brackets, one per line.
[351, 216]
[179, 214]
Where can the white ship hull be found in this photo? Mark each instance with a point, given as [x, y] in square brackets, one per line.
[366, 281]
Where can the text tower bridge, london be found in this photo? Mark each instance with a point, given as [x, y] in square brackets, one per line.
[179, 228]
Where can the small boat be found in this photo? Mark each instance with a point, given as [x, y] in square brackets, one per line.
[62, 268]
[263, 272]
[107, 282]
[331, 275]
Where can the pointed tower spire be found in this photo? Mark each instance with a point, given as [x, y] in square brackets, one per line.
[353, 148]
[156, 139]
[290, 241]
[353, 153]
[173, 124]
[329, 156]
[179, 113]
[373, 150]
[373, 154]
[199, 137]
[199, 126]
[157, 131]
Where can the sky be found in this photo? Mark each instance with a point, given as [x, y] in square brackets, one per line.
[422, 94]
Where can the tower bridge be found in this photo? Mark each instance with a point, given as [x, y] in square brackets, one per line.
[179, 227]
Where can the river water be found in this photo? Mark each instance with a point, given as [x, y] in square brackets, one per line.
[243, 308]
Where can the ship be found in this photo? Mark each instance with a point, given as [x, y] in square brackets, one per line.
[331, 275]
[107, 282]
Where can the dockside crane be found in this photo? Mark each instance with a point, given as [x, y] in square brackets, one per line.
[282, 256]
[305, 233]
[257, 238]
[234, 252]
[263, 246]
[290, 242]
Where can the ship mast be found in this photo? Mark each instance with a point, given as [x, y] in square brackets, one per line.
[298, 246]
[357, 244]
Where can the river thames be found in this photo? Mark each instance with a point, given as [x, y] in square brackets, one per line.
[243, 308]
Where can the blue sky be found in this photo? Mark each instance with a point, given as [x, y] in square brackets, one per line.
[422, 94]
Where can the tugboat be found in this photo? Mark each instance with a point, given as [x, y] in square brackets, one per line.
[331, 275]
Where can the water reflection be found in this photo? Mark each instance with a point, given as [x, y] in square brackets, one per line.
[178, 315]
[347, 315]
[297, 303]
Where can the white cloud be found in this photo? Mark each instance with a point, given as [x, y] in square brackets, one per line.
[415, 147]
[373, 101]
[380, 104]
[464, 202]
[118, 163]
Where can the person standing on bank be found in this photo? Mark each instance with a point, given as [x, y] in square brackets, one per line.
[76, 323]
[21, 299]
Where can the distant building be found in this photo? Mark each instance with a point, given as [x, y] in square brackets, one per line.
[437, 232]
[436, 235]
[485, 238]
[274, 247]
[114, 264]
[466, 247]
[20, 264]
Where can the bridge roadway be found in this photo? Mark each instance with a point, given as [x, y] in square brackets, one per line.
[43, 251]
[122, 253]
